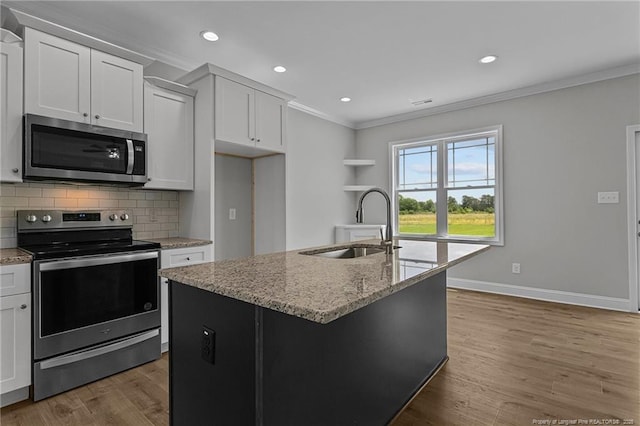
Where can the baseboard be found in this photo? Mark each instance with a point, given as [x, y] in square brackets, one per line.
[557, 296]
[14, 396]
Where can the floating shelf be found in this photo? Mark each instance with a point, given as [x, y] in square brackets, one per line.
[358, 188]
[356, 163]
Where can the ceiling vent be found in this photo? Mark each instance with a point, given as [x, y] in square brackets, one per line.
[420, 102]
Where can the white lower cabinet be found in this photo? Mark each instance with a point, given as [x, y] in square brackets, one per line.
[171, 258]
[355, 232]
[15, 333]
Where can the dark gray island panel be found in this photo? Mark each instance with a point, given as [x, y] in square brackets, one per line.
[201, 393]
[360, 369]
[277, 369]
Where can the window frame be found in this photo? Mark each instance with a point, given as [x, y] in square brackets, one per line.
[442, 140]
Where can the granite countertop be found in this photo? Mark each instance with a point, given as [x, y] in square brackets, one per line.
[323, 289]
[13, 256]
[178, 242]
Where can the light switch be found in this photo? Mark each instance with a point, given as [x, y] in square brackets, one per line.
[608, 197]
[232, 214]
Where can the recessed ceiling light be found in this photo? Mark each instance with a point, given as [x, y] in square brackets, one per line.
[488, 59]
[209, 35]
[279, 68]
[345, 99]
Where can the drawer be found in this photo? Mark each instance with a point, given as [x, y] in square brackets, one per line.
[186, 256]
[15, 279]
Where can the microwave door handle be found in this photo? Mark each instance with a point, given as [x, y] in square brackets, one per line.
[130, 156]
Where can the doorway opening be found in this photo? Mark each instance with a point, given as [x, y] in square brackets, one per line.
[633, 214]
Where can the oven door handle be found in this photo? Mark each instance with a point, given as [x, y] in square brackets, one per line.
[92, 353]
[95, 261]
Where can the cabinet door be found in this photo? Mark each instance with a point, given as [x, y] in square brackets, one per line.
[270, 122]
[11, 112]
[57, 77]
[15, 342]
[168, 122]
[116, 92]
[234, 112]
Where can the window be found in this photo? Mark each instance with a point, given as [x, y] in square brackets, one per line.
[449, 186]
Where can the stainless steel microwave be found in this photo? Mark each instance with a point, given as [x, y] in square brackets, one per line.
[56, 149]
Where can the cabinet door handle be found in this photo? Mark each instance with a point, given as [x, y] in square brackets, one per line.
[86, 114]
[258, 140]
[188, 258]
[23, 306]
[97, 117]
[15, 170]
[253, 139]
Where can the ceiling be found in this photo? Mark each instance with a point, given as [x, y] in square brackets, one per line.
[381, 54]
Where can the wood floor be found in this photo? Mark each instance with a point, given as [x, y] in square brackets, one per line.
[512, 362]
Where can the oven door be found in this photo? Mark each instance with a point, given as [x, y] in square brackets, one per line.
[89, 300]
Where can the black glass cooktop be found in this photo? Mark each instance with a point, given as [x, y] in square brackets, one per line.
[61, 250]
[60, 244]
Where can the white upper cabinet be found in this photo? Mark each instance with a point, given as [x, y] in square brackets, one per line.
[73, 82]
[235, 112]
[247, 116]
[270, 122]
[11, 112]
[168, 123]
[116, 92]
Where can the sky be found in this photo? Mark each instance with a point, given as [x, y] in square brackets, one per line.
[469, 163]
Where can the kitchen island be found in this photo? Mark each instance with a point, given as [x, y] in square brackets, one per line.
[291, 339]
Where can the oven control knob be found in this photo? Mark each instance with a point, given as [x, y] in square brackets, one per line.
[46, 218]
[31, 218]
[124, 216]
[113, 216]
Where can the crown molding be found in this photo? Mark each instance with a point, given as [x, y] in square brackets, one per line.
[170, 85]
[579, 80]
[210, 69]
[25, 20]
[322, 115]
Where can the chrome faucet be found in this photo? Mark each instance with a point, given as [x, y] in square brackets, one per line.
[388, 240]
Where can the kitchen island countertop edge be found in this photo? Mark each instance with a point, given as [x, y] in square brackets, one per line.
[323, 289]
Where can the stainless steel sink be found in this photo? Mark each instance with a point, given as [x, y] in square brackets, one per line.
[357, 250]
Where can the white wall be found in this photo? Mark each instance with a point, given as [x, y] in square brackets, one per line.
[269, 204]
[233, 189]
[316, 201]
[560, 149]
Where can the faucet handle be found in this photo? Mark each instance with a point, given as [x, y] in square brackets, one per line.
[381, 234]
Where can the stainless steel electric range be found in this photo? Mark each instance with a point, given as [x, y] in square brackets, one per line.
[95, 295]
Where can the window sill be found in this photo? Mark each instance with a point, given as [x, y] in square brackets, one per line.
[450, 239]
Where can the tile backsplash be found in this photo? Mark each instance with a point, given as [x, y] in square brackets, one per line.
[155, 213]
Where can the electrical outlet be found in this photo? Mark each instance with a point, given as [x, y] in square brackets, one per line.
[232, 214]
[608, 197]
[208, 345]
[515, 268]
